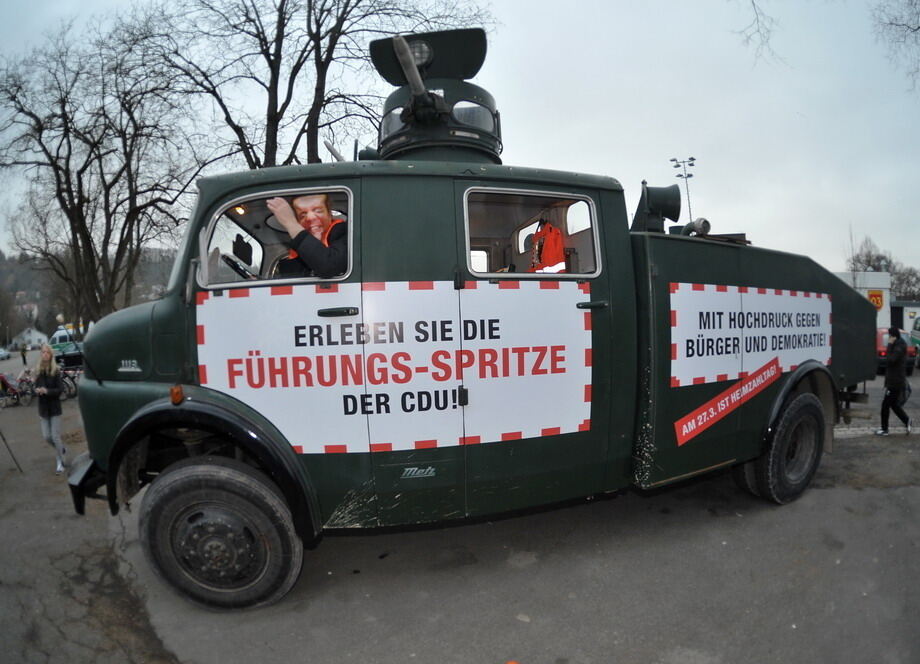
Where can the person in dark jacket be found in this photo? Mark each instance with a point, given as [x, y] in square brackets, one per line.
[48, 387]
[319, 243]
[895, 381]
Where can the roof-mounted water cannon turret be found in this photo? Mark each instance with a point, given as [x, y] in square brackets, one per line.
[436, 114]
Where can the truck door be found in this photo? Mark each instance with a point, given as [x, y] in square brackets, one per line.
[532, 300]
[285, 342]
[410, 305]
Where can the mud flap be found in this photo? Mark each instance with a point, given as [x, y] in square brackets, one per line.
[84, 478]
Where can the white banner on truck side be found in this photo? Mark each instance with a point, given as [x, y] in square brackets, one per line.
[377, 367]
[721, 333]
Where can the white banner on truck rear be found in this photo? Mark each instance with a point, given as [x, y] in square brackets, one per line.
[721, 332]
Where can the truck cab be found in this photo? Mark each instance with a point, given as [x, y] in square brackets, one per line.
[456, 338]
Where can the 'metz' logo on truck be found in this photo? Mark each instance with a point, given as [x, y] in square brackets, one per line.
[413, 472]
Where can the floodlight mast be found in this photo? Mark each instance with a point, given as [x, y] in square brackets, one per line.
[684, 163]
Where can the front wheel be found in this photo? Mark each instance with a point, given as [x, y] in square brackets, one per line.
[219, 532]
[785, 470]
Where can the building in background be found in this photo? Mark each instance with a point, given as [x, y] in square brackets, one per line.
[875, 287]
[29, 337]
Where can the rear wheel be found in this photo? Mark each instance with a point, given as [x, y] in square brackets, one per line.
[219, 532]
[792, 457]
[745, 477]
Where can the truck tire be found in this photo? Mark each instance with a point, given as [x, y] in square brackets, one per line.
[219, 532]
[793, 454]
[745, 476]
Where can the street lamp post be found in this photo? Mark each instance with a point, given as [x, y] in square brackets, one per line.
[684, 164]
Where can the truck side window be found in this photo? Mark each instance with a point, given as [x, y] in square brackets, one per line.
[539, 234]
[248, 242]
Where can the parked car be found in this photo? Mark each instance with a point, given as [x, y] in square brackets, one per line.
[4, 354]
[915, 332]
[881, 347]
[71, 357]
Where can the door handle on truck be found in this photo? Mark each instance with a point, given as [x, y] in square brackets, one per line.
[593, 304]
[338, 311]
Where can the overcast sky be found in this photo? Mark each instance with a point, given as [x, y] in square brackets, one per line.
[797, 152]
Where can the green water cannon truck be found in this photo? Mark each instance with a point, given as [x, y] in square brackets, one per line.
[425, 334]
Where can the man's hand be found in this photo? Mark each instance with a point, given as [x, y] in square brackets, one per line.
[284, 213]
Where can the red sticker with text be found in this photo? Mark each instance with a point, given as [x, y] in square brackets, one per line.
[695, 423]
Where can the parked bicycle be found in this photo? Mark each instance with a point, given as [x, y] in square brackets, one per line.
[15, 391]
[69, 378]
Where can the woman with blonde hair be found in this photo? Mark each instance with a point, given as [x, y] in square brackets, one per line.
[48, 387]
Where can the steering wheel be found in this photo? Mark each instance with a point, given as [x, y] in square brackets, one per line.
[237, 266]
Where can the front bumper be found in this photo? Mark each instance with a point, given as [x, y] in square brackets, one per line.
[84, 480]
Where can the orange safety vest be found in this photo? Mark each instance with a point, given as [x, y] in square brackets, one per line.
[550, 250]
[325, 240]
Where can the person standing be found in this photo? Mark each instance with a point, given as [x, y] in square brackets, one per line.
[895, 381]
[48, 387]
[22, 351]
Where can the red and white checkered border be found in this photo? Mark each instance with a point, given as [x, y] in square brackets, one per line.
[676, 286]
[345, 448]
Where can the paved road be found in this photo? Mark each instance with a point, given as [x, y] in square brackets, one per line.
[697, 574]
[62, 598]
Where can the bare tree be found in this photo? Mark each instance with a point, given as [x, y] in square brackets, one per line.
[905, 283]
[897, 23]
[92, 127]
[758, 33]
[278, 74]
[868, 257]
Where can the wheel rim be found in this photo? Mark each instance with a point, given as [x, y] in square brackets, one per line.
[218, 547]
[800, 452]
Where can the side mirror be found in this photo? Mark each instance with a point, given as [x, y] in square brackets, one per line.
[242, 249]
